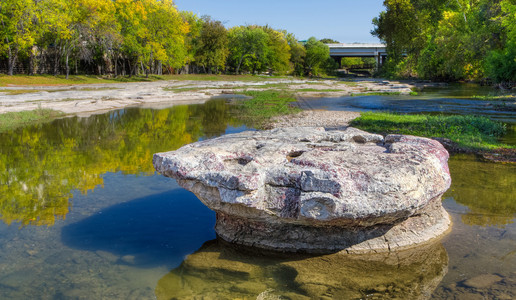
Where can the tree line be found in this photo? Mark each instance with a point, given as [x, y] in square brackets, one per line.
[449, 39]
[135, 37]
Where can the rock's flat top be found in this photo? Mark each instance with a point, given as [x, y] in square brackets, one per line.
[310, 176]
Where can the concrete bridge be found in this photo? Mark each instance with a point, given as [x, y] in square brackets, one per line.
[378, 51]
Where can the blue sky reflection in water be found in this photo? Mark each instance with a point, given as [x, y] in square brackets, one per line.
[120, 231]
[446, 100]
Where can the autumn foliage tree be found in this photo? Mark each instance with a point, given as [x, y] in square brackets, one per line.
[140, 37]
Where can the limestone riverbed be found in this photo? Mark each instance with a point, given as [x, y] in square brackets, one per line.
[97, 98]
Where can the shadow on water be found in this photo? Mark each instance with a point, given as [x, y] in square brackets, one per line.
[156, 230]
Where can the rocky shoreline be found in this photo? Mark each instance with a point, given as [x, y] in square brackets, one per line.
[84, 100]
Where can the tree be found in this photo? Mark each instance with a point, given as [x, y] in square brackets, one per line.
[247, 46]
[192, 37]
[131, 15]
[317, 54]
[501, 63]
[297, 54]
[329, 41]
[278, 51]
[164, 39]
[212, 45]
[16, 29]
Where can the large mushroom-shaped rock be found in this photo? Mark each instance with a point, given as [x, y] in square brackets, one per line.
[311, 190]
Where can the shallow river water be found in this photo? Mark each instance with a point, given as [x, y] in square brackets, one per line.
[84, 216]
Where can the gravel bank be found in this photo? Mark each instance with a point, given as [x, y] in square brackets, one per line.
[316, 118]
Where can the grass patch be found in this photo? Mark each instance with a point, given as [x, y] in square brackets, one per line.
[277, 86]
[494, 98]
[50, 80]
[377, 94]
[204, 77]
[13, 120]
[468, 132]
[266, 104]
[319, 90]
[18, 92]
[183, 89]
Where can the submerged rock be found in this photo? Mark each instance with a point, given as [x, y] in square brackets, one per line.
[308, 189]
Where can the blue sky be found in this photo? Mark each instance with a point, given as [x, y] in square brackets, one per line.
[344, 20]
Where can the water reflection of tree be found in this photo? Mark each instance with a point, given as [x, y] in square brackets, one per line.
[487, 189]
[41, 165]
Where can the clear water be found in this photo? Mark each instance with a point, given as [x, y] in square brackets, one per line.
[84, 216]
[453, 99]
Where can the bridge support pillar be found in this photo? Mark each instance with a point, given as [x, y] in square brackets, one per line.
[378, 59]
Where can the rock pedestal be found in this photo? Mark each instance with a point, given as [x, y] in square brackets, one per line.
[311, 190]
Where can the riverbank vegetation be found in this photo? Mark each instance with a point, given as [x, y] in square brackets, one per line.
[264, 105]
[449, 40]
[13, 120]
[144, 37]
[50, 80]
[467, 132]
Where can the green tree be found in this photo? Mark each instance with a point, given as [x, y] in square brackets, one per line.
[278, 51]
[501, 63]
[191, 42]
[212, 46]
[317, 55]
[438, 39]
[329, 41]
[247, 46]
[297, 54]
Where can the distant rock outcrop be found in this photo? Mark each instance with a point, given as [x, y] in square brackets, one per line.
[310, 190]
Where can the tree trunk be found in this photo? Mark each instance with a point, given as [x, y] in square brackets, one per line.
[135, 69]
[115, 60]
[240, 63]
[149, 68]
[56, 61]
[11, 59]
[67, 65]
[31, 61]
[11, 63]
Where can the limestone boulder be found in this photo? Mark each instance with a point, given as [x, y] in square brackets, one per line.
[308, 189]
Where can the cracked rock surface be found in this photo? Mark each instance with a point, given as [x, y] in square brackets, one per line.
[306, 189]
